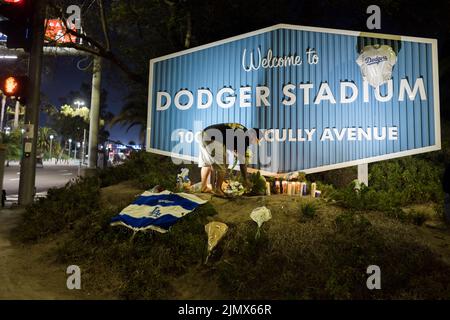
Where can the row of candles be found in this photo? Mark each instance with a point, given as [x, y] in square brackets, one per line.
[293, 188]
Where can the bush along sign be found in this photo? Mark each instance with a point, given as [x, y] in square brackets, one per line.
[322, 98]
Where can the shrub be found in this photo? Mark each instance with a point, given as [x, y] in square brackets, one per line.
[308, 210]
[339, 178]
[327, 190]
[145, 166]
[59, 210]
[258, 184]
[363, 198]
[394, 184]
[149, 180]
[407, 180]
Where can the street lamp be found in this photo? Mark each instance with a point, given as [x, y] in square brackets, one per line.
[78, 103]
[22, 131]
[70, 145]
[77, 145]
[51, 144]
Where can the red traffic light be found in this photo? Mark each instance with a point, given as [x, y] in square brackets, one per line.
[14, 86]
[10, 86]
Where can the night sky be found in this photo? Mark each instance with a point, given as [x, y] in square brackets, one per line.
[63, 76]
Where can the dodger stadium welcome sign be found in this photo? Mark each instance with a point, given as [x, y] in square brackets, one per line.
[323, 99]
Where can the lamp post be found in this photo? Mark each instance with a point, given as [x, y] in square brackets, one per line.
[81, 156]
[78, 103]
[77, 145]
[70, 145]
[83, 145]
[22, 131]
[51, 145]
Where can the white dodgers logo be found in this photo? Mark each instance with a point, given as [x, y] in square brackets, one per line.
[376, 64]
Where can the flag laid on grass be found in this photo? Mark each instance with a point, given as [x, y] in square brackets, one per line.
[157, 211]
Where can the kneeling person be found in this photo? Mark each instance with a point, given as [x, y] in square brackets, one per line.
[217, 140]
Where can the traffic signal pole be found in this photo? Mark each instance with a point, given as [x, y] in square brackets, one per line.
[28, 162]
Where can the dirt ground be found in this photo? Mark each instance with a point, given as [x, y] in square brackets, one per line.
[29, 272]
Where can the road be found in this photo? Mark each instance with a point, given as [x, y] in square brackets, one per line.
[47, 177]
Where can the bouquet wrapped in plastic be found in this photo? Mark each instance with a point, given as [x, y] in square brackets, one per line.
[215, 231]
[183, 181]
[260, 215]
[234, 189]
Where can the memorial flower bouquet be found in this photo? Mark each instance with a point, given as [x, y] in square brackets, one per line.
[234, 189]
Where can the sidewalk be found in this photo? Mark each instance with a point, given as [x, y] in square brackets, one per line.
[12, 200]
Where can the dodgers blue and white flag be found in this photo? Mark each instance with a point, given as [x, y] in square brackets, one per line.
[157, 211]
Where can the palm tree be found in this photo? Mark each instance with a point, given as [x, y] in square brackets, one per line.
[133, 113]
[13, 142]
[43, 143]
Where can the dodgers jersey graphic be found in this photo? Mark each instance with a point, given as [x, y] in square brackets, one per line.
[376, 64]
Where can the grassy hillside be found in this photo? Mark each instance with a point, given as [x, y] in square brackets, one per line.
[311, 249]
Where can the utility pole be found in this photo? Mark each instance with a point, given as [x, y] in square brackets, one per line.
[28, 161]
[94, 112]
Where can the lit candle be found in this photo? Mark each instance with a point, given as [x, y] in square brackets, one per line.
[302, 189]
[297, 188]
[284, 184]
[277, 187]
[313, 189]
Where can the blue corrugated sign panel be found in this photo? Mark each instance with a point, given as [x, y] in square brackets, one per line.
[304, 87]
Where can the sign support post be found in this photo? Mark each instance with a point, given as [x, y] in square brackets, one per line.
[363, 173]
